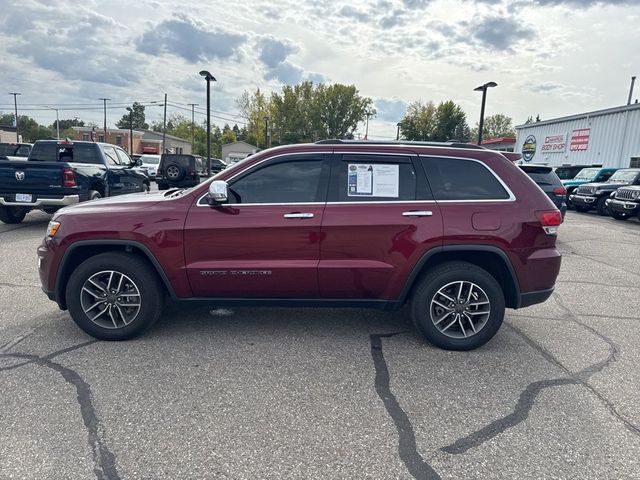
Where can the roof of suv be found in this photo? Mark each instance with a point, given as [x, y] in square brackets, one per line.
[450, 144]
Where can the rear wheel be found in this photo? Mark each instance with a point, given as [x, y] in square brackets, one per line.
[12, 214]
[94, 195]
[458, 306]
[114, 296]
[601, 207]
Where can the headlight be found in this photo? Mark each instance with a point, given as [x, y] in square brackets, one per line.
[52, 229]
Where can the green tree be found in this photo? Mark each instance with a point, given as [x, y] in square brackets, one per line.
[30, 129]
[419, 121]
[497, 125]
[338, 109]
[67, 124]
[138, 118]
[254, 107]
[450, 123]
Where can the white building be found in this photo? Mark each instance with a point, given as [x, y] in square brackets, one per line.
[608, 137]
[236, 151]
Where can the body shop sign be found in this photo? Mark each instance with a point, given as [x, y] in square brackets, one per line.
[554, 144]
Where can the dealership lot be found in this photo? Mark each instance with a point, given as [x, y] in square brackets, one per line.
[329, 393]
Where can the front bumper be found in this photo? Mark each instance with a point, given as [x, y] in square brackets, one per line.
[583, 200]
[43, 202]
[622, 206]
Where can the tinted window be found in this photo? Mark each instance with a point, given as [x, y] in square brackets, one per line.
[111, 156]
[44, 152]
[23, 151]
[295, 181]
[457, 179]
[374, 178]
[84, 153]
[7, 150]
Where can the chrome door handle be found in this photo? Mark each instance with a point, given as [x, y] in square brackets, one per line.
[418, 213]
[298, 215]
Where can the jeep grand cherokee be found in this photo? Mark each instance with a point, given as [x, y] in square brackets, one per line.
[456, 231]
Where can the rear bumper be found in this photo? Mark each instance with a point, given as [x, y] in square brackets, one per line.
[43, 202]
[532, 298]
[620, 206]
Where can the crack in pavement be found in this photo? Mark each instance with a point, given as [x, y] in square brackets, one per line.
[407, 448]
[104, 460]
[527, 397]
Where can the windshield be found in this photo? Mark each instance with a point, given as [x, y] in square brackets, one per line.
[587, 174]
[566, 173]
[151, 160]
[623, 176]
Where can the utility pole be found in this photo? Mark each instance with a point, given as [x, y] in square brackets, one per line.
[57, 121]
[266, 132]
[193, 141]
[105, 117]
[15, 104]
[130, 130]
[398, 132]
[164, 123]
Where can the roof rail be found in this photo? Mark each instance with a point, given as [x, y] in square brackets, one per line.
[470, 146]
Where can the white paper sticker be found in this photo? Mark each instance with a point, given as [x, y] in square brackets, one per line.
[373, 180]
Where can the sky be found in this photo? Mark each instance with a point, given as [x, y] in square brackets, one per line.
[549, 57]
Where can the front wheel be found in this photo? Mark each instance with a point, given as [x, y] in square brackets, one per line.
[12, 214]
[601, 207]
[458, 306]
[114, 296]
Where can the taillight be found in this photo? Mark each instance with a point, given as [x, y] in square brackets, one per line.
[550, 220]
[560, 191]
[69, 178]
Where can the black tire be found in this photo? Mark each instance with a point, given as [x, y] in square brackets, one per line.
[601, 207]
[174, 172]
[447, 274]
[581, 209]
[620, 216]
[12, 214]
[94, 195]
[144, 279]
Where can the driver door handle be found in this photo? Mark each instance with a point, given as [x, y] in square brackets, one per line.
[298, 215]
[417, 213]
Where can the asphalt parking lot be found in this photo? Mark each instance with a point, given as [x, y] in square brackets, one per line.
[329, 393]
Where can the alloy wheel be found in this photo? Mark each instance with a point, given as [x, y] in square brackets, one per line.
[460, 309]
[173, 172]
[110, 299]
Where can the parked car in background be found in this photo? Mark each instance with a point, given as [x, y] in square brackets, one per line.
[454, 230]
[586, 175]
[595, 195]
[217, 165]
[568, 172]
[14, 151]
[550, 184]
[624, 203]
[61, 173]
[148, 164]
[180, 170]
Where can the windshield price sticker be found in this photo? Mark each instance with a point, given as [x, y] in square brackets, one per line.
[373, 180]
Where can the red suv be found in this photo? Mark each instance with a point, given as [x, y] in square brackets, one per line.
[457, 231]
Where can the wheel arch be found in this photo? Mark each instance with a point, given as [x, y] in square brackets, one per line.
[490, 258]
[80, 251]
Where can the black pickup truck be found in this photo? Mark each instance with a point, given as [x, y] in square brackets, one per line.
[61, 173]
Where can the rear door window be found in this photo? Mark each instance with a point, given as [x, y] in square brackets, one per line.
[457, 179]
[123, 157]
[111, 156]
[86, 153]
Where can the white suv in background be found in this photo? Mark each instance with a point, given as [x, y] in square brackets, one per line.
[149, 165]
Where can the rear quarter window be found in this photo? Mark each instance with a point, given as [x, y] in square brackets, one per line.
[462, 179]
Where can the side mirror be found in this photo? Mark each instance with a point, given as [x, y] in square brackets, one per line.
[218, 192]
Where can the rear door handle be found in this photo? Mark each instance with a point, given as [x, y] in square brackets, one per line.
[417, 213]
[298, 215]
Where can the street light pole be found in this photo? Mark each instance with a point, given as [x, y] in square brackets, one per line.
[398, 131]
[208, 77]
[130, 130]
[366, 132]
[15, 104]
[483, 89]
[193, 141]
[164, 124]
[105, 117]
[266, 132]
